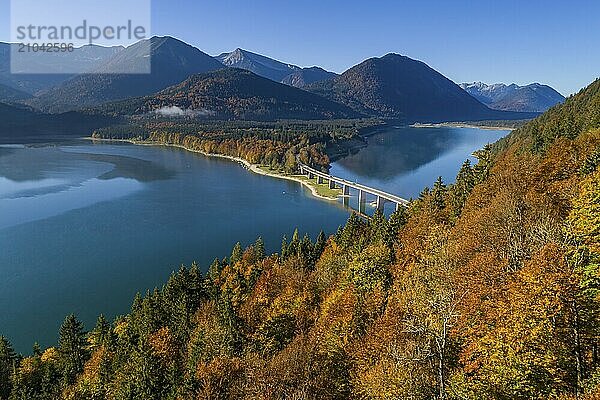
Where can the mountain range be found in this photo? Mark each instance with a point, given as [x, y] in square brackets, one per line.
[534, 97]
[392, 87]
[172, 61]
[272, 69]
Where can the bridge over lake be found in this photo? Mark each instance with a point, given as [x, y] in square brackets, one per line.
[346, 186]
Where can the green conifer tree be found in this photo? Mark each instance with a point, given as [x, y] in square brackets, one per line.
[71, 347]
[8, 360]
[259, 249]
[319, 246]
[465, 181]
[438, 194]
[101, 335]
[236, 254]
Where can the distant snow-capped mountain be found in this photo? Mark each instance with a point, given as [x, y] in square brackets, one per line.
[272, 69]
[534, 97]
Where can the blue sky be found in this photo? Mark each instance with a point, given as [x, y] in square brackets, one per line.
[553, 42]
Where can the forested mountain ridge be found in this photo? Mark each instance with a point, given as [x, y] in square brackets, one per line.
[578, 114]
[400, 88]
[393, 87]
[234, 93]
[484, 289]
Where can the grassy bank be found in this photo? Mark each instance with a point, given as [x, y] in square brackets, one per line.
[322, 190]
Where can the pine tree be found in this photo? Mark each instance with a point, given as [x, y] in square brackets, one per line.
[397, 220]
[215, 269]
[484, 164]
[438, 194]
[101, 335]
[7, 366]
[305, 251]
[319, 246]
[236, 254]
[465, 181]
[259, 249]
[71, 347]
[36, 350]
[379, 227]
[294, 244]
[136, 306]
[351, 234]
[210, 285]
[145, 377]
[284, 249]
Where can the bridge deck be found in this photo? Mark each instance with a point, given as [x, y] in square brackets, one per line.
[357, 186]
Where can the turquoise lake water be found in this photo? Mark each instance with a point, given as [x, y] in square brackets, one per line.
[404, 160]
[85, 226]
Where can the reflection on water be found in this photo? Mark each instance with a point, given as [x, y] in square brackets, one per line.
[43, 203]
[404, 160]
[134, 168]
[84, 227]
[9, 188]
[38, 183]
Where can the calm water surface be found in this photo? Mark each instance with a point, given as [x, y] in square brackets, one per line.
[84, 226]
[404, 160]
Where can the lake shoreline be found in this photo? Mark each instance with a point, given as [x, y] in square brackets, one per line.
[247, 165]
[461, 125]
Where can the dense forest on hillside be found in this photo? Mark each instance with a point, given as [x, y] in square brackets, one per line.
[233, 93]
[276, 144]
[484, 289]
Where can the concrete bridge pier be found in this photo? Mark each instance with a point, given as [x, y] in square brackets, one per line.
[320, 179]
[362, 200]
[380, 203]
[398, 206]
[345, 190]
[331, 184]
[346, 201]
[311, 175]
